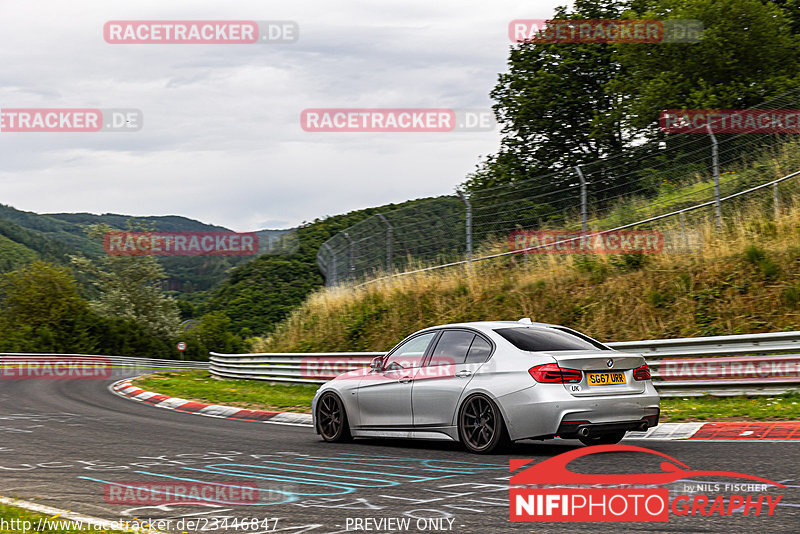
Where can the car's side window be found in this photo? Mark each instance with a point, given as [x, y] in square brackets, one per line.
[479, 351]
[452, 348]
[410, 353]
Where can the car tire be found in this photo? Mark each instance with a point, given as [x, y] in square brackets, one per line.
[331, 419]
[609, 438]
[481, 428]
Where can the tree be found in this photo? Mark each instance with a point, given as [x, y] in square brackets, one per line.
[554, 105]
[130, 287]
[747, 54]
[212, 334]
[42, 311]
[564, 104]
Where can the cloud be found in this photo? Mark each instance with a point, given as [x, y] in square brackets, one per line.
[221, 140]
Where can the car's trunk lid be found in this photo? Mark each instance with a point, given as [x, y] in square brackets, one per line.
[605, 372]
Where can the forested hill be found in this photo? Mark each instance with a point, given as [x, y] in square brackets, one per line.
[263, 292]
[27, 236]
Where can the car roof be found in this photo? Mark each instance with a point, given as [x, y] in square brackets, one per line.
[491, 325]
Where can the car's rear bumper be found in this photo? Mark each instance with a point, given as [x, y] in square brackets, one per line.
[573, 429]
[545, 412]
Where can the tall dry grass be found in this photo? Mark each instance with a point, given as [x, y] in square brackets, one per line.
[744, 279]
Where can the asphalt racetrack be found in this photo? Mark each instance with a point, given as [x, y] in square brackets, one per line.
[65, 444]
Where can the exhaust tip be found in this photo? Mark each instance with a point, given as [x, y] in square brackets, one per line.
[583, 432]
[644, 426]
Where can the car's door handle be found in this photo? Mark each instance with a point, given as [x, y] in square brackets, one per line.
[462, 374]
[405, 380]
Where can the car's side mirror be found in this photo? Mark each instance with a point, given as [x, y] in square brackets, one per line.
[376, 364]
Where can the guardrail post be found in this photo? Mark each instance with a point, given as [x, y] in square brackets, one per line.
[469, 224]
[715, 166]
[583, 197]
[389, 237]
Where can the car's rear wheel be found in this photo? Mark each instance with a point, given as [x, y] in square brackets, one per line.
[481, 426]
[332, 419]
[608, 438]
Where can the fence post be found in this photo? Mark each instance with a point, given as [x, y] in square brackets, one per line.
[389, 235]
[469, 225]
[715, 166]
[583, 197]
[351, 256]
[331, 278]
[684, 237]
[776, 201]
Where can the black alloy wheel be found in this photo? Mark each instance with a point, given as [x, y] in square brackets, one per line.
[481, 426]
[332, 419]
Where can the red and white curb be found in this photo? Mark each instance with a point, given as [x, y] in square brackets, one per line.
[124, 388]
[727, 431]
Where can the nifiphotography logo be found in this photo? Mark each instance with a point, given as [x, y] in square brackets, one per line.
[548, 491]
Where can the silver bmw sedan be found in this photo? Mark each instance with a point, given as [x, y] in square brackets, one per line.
[486, 384]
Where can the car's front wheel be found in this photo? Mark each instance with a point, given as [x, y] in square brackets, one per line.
[609, 438]
[480, 425]
[332, 419]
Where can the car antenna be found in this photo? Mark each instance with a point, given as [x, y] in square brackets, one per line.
[525, 320]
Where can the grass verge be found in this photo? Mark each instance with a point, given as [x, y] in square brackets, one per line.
[757, 408]
[25, 522]
[198, 385]
[252, 394]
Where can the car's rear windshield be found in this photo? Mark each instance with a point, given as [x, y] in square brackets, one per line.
[535, 339]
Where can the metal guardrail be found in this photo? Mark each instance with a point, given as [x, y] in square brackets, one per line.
[18, 359]
[307, 367]
[750, 364]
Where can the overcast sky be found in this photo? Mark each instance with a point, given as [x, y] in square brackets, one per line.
[221, 140]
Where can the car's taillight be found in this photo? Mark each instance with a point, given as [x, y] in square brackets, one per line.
[552, 373]
[641, 373]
